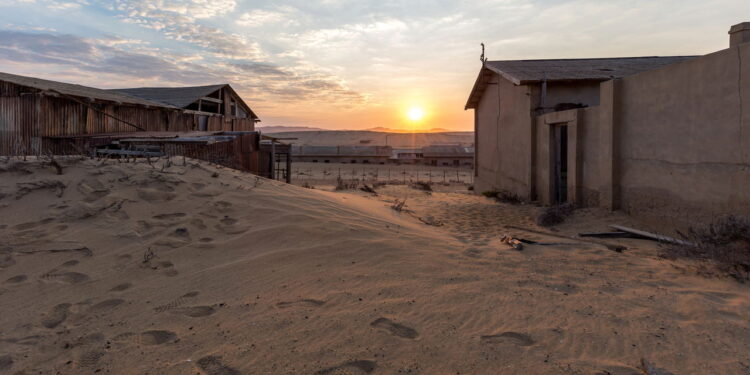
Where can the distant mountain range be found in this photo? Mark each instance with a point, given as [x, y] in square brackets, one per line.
[286, 129]
[283, 129]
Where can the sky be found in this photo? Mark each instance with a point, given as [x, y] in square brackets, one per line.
[341, 64]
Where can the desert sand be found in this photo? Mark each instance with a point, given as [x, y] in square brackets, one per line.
[131, 268]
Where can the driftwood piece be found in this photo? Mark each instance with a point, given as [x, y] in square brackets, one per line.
[652, 236]
[613, 247]
[513, 242]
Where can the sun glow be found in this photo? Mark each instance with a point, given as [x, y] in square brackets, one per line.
[415, 114]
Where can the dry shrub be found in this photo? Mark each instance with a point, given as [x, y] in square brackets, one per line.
[368, 189]
[307, 185]
[554, 215]
[421, 185]
[503, 196]
[398, 206]
[341, 184]
[724, 244]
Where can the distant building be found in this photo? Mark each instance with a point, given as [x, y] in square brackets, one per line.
[342, 154]
[447, 155]
[406, 155]
[436, 155]
[655, 136]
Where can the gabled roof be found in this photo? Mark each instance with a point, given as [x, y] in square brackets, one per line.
[180, 97]
[78, 91]
[522, 72]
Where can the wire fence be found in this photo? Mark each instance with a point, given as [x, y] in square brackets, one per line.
[391, 174]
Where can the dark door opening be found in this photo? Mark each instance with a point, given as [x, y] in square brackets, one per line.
[202, 123]
[560, 134]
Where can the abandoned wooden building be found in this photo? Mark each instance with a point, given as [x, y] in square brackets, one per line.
[654, 136]
[40, 116]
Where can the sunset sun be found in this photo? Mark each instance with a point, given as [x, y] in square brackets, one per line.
[415, 114]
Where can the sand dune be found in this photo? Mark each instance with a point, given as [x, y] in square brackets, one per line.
[131, 269]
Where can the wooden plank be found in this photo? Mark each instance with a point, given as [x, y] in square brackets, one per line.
[653, 236]
[214, 100]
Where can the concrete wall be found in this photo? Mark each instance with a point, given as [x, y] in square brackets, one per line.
[504, 132]
[683, 138]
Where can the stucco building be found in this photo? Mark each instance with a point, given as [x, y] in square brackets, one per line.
[654, 136]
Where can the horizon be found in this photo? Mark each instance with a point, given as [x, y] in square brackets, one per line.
[339, 65]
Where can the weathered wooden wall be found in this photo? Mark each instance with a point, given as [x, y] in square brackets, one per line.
[26, 117]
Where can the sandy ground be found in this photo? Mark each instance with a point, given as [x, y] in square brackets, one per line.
[128, 269]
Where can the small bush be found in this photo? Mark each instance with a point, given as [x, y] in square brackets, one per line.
[399, 205]
[307, 185]
[367, 189]
[725, 243]
[421, 185]
[341, 184]
[554, 215]
[503, 196]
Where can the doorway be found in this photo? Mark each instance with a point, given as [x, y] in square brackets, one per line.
[202, 123]
[560, 162]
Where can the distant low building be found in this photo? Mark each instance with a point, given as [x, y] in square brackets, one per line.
[406, 155]
[342, 154]
[435, 155]
[447, 155]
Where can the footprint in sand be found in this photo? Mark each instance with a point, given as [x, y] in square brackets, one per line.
[173, 216]
[175, 303]
[70, 263]
[212, 365]
[394, 328]
[107, 304]
[194, 311]
[67, 277]
[92, 190]
[16, 279]
[153, 195]
[157, 337]
[6, 362]
[90, 359]
[121, 287]
[57, 315]
[7, 261]
[303, 302]
[513, 338]
[361, 366]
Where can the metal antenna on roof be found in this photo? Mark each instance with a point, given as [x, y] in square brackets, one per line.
[482, 58]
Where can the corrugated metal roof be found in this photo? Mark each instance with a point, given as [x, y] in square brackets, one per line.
[522, 72]
[369, 151]
[76, 90]
[175, 96]
[447, 151]
[527, 71]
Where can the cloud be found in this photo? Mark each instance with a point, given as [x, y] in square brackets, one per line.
[179, 20]
[259, 17]
[129, 61]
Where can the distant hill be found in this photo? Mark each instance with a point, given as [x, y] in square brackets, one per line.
[279, 129]
[374, 138]
[389, 130]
